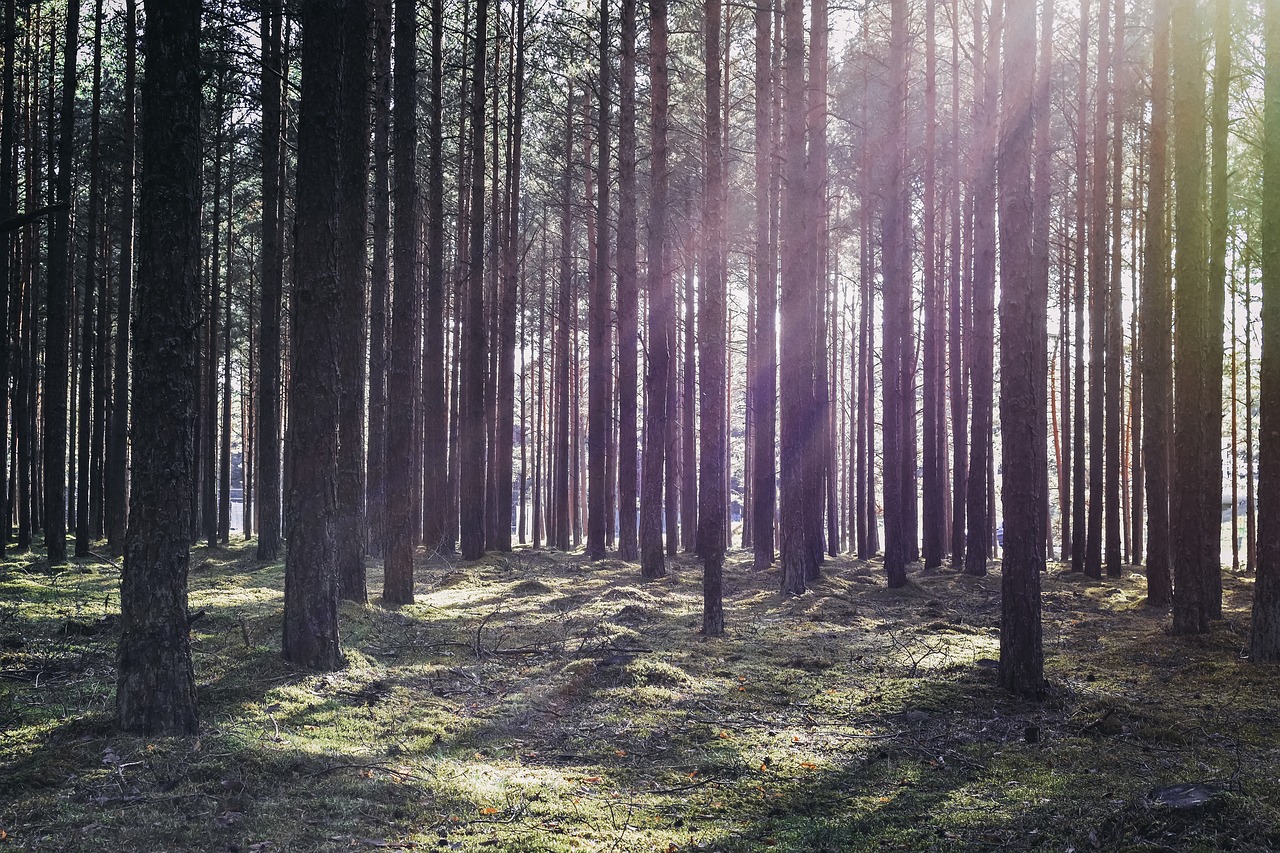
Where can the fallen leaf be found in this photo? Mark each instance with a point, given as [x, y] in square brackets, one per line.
[808, 765]
[488, 810]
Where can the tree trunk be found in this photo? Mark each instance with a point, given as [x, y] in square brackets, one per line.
[269, 425]
[401, 514]
[156, 690]
[380, 283]
[353, 278]
[628, 544]
[311, 569]
[57, 295]
[1023, 307]
[1264, 639]
[474, 359]
[1157, 321]
[1194, 503]
[712, 298]
[764, 394]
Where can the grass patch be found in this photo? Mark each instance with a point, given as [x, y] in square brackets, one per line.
[534, 701]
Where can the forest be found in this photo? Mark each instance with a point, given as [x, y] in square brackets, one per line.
[602, 425]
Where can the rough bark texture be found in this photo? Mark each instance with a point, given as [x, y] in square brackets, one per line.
[978, 541]
[599, 328]
[272, 287]
[764, 394]
[57, 295]
[796, 358]
[712, 298]
[435, 403]
[156, 690]
[628, 297]
[401, 521]
[1194, 503]
[1264, 645]
[474, 373]
[1022, 342]
[661, 319]
[353, 281]
[895, 260]
[311, 568]
[1157, 321]
[379, 281]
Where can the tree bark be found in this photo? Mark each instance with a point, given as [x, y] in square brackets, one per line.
[1264, 636]
[269, 421]
[401, 516]
[353, 279]
[155, 689]
[1157, 321]
[1194, 503]
[1023, 339]
[311, 569]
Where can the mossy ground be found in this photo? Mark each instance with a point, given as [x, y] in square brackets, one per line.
[533, 701]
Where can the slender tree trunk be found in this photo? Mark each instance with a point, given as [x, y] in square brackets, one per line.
[471, 408]
[401, 514]
[117, 462]
[1157, 321]
[269, 421]
[1218, 226]
[1195, 512]
[955, 320]
[1079, 543]
[1264, 641]
[712, 341]
[764, 394]
[934, 524]
[565, 309]
[599, 368]
[1023, 307]
[628, 543]
[353, 278]
[978, 544]
[688, 422]
[380, 283]
[57, 296]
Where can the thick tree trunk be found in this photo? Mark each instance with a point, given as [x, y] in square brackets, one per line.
[311, 569]
[156, 690]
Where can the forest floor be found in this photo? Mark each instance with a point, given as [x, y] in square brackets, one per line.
[533, 701]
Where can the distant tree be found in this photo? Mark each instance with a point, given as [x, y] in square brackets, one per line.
[628, 295]
[155, 688]
[764, 395]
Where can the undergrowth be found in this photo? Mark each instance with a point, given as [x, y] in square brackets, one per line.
[534, 701]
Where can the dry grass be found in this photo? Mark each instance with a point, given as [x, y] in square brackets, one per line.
[533, 701]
